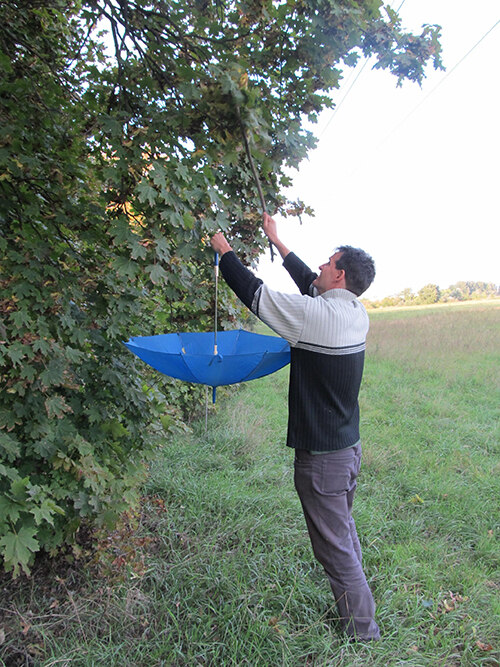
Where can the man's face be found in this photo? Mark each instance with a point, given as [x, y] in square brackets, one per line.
[329, 276]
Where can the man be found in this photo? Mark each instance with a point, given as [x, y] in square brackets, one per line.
[326, 327]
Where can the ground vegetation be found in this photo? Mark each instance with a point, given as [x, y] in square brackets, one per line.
[216, 568]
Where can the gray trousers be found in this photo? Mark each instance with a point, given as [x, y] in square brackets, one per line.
[326, 484]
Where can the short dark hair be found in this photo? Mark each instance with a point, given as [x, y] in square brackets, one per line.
[359, 268]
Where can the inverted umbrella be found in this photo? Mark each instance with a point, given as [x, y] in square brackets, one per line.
[238, 356]
[213, 359]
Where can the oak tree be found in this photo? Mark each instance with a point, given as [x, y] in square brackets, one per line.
[122, 126]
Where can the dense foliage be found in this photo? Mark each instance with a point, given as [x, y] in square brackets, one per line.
[120, 153]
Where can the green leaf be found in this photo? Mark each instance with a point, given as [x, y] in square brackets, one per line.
[20, 318]
[28, 373]
[138, 250]
[120, 230]
[162, 249]
[115, 428]
[17, 352]
[53, 375]
[18, 549]
[146, 193]
[41, 345]
[9, 510]
[209, 174]
[5, 63]
[166, 422]
[19, 487]
[182, 171]
[10, 473]
[56, 406]
[9, 448]
[189, 220]
[156, 273]
[159, 175]
[125, 267]
[46, 511]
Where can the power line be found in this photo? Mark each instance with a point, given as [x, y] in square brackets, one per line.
[457, 64]
[337, 107]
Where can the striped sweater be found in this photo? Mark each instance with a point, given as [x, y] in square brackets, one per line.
[327, 335]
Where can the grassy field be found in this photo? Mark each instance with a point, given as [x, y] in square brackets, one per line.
[219, 570]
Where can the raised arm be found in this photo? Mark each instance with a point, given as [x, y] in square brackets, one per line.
[300, 273]
[284, 313]
[271, 232]
[242, 281]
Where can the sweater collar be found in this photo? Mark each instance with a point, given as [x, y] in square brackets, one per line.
[339, 293]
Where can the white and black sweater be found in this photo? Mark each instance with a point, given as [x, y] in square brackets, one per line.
[327, 336]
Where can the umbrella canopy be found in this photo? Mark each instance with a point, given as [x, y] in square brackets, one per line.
[239, 355]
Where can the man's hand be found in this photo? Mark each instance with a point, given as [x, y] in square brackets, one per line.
[270, 230]
[219, 243]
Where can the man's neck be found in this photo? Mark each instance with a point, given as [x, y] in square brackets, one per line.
[336, 286]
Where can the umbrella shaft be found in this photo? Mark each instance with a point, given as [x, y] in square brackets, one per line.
[216, 269]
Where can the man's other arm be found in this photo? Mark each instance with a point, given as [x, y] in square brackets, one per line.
[240, 279]
[300, 273]
[284, 313]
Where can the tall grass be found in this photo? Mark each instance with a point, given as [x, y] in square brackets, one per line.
[219, 570]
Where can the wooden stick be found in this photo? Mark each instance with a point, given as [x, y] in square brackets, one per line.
[254, 172]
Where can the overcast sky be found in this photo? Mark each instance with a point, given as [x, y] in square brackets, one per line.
[410, 174]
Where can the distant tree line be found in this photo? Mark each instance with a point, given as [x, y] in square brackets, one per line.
[431, 293]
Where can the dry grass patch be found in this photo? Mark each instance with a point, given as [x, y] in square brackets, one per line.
[437, 339]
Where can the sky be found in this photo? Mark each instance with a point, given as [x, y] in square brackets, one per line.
[411, 175]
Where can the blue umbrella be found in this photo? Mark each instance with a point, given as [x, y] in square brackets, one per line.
[213, 358]
[238, 355]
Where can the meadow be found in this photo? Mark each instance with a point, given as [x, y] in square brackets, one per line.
[216, 567]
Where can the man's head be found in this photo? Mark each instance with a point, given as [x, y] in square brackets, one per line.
[349, 268]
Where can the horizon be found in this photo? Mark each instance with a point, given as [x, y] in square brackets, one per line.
[441, 289]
